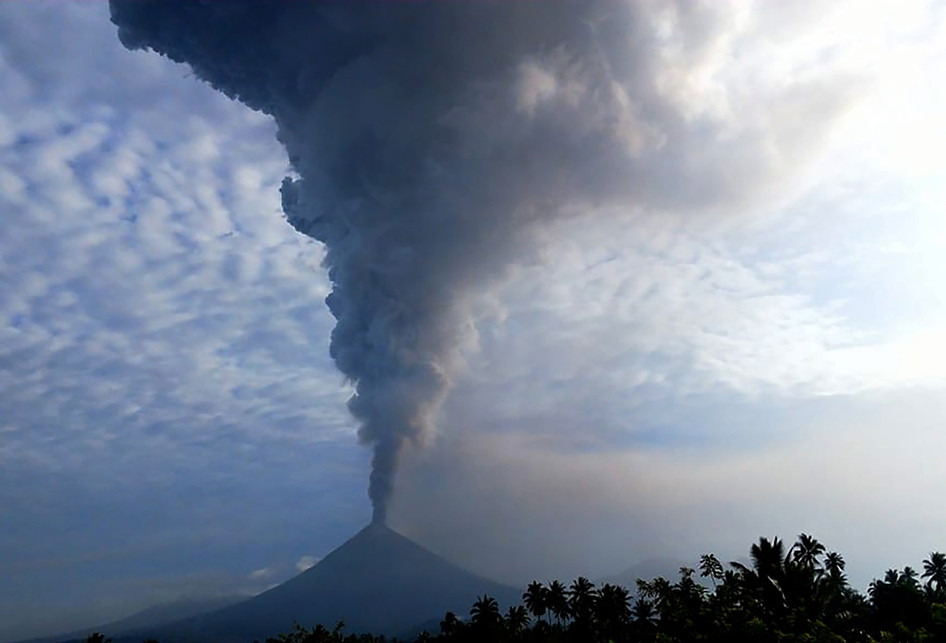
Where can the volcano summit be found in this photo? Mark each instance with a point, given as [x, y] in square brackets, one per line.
[378, 582]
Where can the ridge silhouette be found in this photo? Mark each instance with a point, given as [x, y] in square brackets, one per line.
[378, 581]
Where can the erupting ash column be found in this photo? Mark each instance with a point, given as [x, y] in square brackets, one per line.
[431, 139]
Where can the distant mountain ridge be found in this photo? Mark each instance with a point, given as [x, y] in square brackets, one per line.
[157, 615]
[378, 581]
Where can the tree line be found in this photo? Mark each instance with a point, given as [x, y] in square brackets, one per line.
[796, 594]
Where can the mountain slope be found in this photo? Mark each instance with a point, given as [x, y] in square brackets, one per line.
[156, 615]
[168, 612]
[378, 581]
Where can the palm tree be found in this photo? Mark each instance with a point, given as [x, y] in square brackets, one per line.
[516, 619]
[834, 565]
[806, 551]
[826, 595]
[878, 589]
[711, 567]
[658, 589]
[768, 559]
[613, 607]
[536, 599]
[934, 570]
[485, 612]
[644, 620]
[898, 600]
[557, 601]
[908, 577]
[644, 616]
[764, 582]
[834, 582]
[581, 596]
[450, 624]
[686, 589]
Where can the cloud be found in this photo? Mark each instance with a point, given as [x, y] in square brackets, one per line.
[306, 562]
[648, 383]
[161, 328]
[568, 509]
[261, 574]
[146, 278]
[592, 110]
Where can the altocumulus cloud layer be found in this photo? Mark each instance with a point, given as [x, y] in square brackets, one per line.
[136, 317]
[435, 143]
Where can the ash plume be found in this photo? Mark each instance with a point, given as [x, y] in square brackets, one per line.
[433, 139]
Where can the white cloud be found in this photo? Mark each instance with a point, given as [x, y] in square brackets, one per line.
[161, 326]
[306, 562]
[261, 574]
[616, 312]
[147, 285]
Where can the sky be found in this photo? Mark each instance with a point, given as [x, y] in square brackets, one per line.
[683, 377]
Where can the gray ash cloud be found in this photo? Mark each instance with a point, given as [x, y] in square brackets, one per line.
[432, 140]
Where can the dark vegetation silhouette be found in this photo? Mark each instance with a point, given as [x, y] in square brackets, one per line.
[798, 594]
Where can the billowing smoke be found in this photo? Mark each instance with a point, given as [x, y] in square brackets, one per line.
[433, 139]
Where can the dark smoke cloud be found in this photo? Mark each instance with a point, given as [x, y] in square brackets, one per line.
[434, 139]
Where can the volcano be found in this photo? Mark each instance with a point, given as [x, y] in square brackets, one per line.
[378, 582]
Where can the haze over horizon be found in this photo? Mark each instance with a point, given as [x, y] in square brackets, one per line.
[750, 341]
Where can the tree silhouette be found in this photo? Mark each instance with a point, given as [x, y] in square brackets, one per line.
[450, 625]
[780, 598]
[934, 570]
[644, 617]
[711, 567]
[517, 618]
[806, 551]
[834, 566]
[485, 613]
[909, 577]
[764, 581]
[557, 601]
[536, 599]
[768, 559]
[613, 609]
[897, 601]
[581, 599]
[832, 590]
